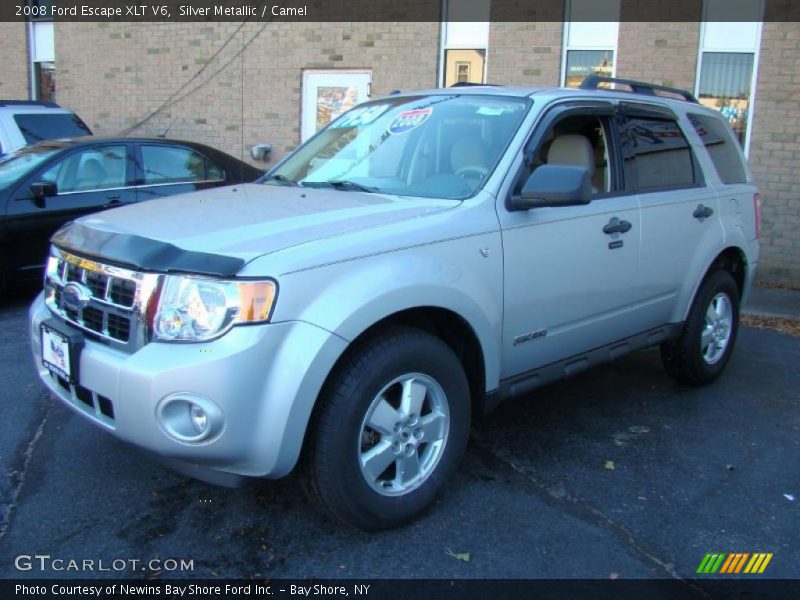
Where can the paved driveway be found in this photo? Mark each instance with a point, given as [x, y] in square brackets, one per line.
[617, 472]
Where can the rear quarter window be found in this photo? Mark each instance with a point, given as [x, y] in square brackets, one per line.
[721, 147]
[50, 126]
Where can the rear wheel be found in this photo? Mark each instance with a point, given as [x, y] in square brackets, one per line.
[391, 428]
[701, 353]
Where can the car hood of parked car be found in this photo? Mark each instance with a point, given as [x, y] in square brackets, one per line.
[241, 222]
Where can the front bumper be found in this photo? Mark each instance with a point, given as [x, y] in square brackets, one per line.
[263, 378]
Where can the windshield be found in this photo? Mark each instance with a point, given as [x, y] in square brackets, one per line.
[431, 146]
[36, 127]
[16, 166]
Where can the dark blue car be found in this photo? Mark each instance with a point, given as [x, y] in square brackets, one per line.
[45, 185]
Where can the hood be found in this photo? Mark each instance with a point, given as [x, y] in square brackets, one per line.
[239, 222]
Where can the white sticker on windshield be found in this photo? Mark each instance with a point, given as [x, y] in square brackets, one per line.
[358, 117]
[409, 119]
[490, 112]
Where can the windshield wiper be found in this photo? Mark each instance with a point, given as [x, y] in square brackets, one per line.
[342, 185]
[282, 179]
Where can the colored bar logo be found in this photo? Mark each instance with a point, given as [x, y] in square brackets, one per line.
[734, 562]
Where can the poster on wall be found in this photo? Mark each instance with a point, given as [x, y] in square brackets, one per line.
[327, 94]
[333, 101]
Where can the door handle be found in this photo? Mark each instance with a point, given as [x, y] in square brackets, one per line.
[702, 212]
[617, 226]
[112, 201]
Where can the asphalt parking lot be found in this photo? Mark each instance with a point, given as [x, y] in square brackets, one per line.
[618, 472]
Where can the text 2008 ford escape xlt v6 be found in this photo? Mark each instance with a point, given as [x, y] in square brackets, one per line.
[422, 258]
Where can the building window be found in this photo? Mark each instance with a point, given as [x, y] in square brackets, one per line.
[727, 59]
[42, 54]
[465, 38]
[462, 71]
[590, 40]
[45, 80]
[581, 63]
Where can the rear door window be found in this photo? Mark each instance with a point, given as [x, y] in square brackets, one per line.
[721, 147]
[663, 159]
[50, 126]
[169, 164]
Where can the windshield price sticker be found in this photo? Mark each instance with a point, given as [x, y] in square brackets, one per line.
[408, 120]
[358, 117]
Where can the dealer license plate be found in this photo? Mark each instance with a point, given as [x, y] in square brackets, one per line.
[56, 353]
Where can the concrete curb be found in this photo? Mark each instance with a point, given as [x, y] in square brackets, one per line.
[773, 302]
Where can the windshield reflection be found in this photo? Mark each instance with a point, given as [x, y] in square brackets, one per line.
[438, 146]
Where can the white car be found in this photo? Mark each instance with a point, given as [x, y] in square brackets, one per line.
[26, 122]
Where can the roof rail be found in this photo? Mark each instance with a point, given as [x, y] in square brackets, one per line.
[470, 84]
[592, 82]
[29, 103]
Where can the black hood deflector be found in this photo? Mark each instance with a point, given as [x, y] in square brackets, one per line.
[142, 253]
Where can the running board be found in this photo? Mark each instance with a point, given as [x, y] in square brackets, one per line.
[528, 381]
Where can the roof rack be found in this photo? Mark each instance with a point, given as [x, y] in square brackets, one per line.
[29, 103]
[592, 82]
[470, 84]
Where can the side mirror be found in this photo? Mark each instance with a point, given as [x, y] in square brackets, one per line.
[260, 152]
[41, 190]
[554, 185]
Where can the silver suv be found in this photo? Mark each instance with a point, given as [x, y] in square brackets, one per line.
[424, 257]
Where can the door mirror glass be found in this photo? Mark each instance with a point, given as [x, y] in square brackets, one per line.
[43, 189]
[555, 185]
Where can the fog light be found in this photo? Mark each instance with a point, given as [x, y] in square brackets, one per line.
[190, 418]
[199, 419]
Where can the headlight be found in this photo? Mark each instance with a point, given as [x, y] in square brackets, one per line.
[192, 309]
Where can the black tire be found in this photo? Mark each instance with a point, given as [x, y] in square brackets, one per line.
[686, 359]
[5, 276]
[339, 432]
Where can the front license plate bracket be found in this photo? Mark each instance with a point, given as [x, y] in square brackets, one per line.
[61, 350]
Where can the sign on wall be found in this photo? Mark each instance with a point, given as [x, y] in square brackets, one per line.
[329, 94]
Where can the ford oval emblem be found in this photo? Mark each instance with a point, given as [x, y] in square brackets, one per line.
[75, 296]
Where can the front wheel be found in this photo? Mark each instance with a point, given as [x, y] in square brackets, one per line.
[390, 430]
[699, 356]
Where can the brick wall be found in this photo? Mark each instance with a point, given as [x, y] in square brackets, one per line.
[13, 61]
[242, 97]
[530, 53]
[775, 151]
[525, 53]
[662, 53]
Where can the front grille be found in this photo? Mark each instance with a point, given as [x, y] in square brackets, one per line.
[93, 319]
[106, 301]
[122, 292]
[119, 327]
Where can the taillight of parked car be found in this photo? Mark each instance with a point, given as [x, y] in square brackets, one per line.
[757, 209]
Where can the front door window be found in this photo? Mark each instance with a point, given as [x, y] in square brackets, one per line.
[90, 169]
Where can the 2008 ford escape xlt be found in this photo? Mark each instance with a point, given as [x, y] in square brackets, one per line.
[422, 258]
